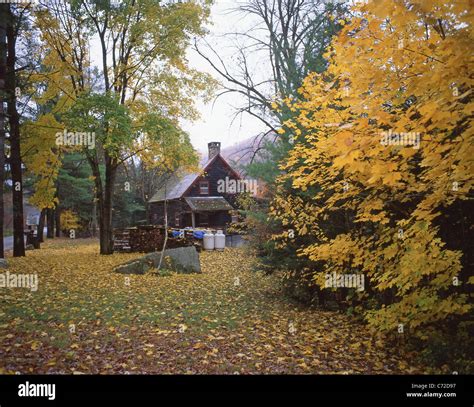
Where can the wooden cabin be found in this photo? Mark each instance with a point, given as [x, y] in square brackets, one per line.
[198, 199]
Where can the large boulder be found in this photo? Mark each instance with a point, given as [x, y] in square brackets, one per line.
[137, 266]
[181, 260]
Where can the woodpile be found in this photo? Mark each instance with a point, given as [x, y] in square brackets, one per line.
[147, 239]
[122, 240]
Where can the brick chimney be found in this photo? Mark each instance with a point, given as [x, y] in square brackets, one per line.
[214, 149]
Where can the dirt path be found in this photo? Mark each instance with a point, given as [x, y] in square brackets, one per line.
[85, 319]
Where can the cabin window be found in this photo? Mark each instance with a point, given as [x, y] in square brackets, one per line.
[204, 187]
[203, 219]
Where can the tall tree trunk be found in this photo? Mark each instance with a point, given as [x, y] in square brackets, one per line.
[166, 230]
[104, 198]
[57, 220]
[3, 71]
[50, 223]
[15, 153]
[93, 230]
[98, 196]
[106, 229]
[41, 223]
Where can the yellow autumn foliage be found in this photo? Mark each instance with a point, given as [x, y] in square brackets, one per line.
[69, 220]
[385, 154]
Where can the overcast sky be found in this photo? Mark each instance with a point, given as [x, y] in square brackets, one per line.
[216, 121]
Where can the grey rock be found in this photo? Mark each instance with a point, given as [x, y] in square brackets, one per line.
[134, 267]
[183, 260]
[3, 263]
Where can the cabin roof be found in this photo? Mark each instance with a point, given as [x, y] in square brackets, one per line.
[208, 204]
[177, 185]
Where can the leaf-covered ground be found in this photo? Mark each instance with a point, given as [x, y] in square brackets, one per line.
[86, 319]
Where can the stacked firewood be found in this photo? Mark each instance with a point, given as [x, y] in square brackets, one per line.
[147, 239]
[143, 239]
[122, 240]
[184, 240]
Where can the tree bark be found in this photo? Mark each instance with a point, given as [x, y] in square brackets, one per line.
[3, 70]
[50, 223]
[98, 195]
[93, 229]
[166, 231]
[104, 197]
[106, 229]
[15, 153]
[41, 222]
[57, 220]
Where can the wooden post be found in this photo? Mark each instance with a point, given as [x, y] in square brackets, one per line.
[193, 219]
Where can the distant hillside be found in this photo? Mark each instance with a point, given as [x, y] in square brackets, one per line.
[241, 154]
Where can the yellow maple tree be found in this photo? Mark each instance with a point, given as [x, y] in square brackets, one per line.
[385, 154]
